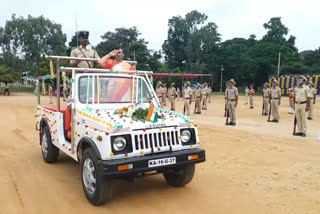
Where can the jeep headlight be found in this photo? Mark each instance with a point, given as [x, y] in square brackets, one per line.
[185, 136]
[119, 144]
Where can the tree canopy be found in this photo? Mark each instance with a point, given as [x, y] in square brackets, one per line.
[193, 45]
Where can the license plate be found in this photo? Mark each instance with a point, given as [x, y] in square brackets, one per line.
[162, 162]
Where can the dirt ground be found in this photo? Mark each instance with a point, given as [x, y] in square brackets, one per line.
[255, 167]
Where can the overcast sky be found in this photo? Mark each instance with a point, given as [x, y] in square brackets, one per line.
[235, 18]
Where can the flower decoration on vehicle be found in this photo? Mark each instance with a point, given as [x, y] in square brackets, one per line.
[137, 113]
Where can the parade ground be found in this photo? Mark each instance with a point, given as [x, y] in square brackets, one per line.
[254, 167]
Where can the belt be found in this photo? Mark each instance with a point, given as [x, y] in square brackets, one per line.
[198, 97]
[275, 98]
[187, 98]
[266, 97]
[301, 102]
[231, 100]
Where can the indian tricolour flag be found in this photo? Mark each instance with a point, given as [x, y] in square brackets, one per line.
[152, 114]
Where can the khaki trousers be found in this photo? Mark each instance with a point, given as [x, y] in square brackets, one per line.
[209, 98]
[291, 103]
[251, 101]
[173, 103]
[197, 105]
[300, 113]
[232, 111]
[204, 102]
[266, 105]
[186, 108]
[275, 109]
[310, 112]
[164, 100]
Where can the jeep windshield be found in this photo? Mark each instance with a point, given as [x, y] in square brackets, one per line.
[112, 89]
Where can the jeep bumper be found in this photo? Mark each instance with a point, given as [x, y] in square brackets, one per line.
[118, 168]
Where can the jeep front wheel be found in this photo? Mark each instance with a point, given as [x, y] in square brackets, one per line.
[180, 176]
[50, 152]
[96, 187]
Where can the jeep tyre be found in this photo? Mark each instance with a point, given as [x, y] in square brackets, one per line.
[50, 152]
[180, 176]
[96, 187]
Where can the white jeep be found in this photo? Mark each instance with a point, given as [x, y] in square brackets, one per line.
[114, 126]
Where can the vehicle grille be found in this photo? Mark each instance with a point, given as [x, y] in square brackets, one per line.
[156, 140]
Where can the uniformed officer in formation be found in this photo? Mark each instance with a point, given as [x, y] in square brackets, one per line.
[178, 93]
[85, 50]
[313, 93]
[197, 98]
[159, 91]
[265, 95]
[172, 93]
[187, 95]
[50, 92]
[291, 101]
[204, 92]
[209, 94]
[302, 104]
[251, 95]
[164, 94]
[275, 101]
[231, 95]
[246, 91]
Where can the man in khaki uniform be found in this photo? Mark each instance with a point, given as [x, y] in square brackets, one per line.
[302, 104]
[83, 51]
[172, 93]
[50, 92]
[204, 96]
[231, 95]
[197, 98]
[275, 101]
[313, 93]
[164, 94]
[291, 101]
[265, 95]
[187, 94]
[251, 95]
[159, 91]
[178, 93]
[209, 92]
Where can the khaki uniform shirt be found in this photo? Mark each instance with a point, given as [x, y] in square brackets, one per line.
[204, 91]
[88, 52]
[302, 93]
[172, 92]
[266, 93]
[187, 92]
[275, 93]
[159, 91]
[197, 93]
[231, 93]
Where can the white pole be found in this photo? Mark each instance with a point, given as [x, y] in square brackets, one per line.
[279, 63]
[221, 74]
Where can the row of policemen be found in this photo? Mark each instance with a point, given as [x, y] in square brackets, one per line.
[301, 100]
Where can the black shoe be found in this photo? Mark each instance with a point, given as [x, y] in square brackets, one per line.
[297, 134]
[309, 118]
[251, 107]
[276, 121]
[233, 124]
[303, 134]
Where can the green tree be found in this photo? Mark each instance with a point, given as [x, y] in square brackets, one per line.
[8, 75]
[32, 38]
[134, 48]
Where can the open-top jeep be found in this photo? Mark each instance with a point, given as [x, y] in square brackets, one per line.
[114, 126]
